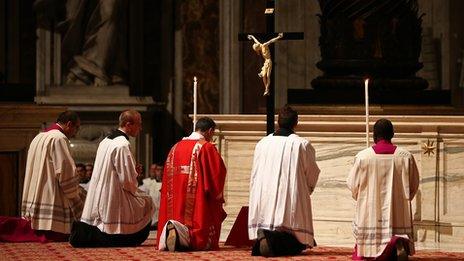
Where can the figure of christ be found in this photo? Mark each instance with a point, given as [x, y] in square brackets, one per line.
[263, 50]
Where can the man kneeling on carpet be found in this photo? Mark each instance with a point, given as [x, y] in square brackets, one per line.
[191, 212]
[283, 176]
[52, 198]
[383, 181]
[116, 212]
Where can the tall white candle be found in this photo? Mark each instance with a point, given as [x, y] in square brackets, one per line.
[195, 86]
[366, 98]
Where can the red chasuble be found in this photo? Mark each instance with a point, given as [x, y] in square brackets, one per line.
[191, 193]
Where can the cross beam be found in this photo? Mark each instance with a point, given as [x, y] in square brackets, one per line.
[287, 36]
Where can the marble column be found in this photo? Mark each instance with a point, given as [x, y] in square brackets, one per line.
[229, 56]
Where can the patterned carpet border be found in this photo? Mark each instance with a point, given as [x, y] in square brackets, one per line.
[63, 251]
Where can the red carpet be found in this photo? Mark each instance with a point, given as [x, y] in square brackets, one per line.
[63, 251]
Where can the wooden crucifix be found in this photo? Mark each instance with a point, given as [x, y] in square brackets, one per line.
[273, 36]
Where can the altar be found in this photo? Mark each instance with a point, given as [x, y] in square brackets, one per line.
[437, 143]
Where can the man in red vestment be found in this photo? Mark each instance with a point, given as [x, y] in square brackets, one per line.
[191, 212]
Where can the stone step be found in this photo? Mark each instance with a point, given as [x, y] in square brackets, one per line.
[103, 100]
[95, 91]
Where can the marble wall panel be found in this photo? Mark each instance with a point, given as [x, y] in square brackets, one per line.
[451, 234]
[329, 232]
[334, 161]
[428, 186]
[452, 183]
[437, 209]
[238, 157]
[425, 233]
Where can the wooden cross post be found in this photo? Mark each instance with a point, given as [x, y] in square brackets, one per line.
[270, 22]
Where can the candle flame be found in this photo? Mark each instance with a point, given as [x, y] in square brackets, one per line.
[366, 81]
[194, 78]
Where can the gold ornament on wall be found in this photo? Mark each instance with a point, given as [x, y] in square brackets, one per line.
[428, 147]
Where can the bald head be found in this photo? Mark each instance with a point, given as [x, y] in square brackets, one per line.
[130, 122]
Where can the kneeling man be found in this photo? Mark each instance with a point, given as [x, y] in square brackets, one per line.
[383, 181]
[116, 212]
[191, 212]
[283, 177]
[52, 198]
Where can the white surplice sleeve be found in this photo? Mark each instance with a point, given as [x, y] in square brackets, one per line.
[125, 168]
[256, 159]
[312, 170]
[352, 180]
[65, 171]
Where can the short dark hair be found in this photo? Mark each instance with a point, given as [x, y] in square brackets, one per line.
[81, 165]
[383, 129]
[66, 116]
[204, 124]
[287, 117]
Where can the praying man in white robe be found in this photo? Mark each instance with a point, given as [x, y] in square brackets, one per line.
[383, 181]
[52, 198]
[284, 174]
[116, 212]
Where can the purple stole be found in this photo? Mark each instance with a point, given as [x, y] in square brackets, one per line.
[54, 126]
[384, 147]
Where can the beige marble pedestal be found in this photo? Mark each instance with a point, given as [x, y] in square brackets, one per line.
[438, 208]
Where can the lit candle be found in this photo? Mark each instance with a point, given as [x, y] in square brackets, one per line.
[366, 98]
[195, 85]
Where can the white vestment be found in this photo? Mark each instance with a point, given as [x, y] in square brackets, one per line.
[383, 186]
[182, 232]
[114, 203]
[51, 192]
[283, 177]
[152, 188]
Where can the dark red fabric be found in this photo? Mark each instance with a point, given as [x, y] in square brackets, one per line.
[54, 126]
[384, 147]
[15, 229]
[207, 212]
[238, 235]
[389, 253]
